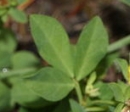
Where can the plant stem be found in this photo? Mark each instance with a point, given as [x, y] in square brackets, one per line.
[16, 72]
[103, 102]
[119, 44]
[78, 91]
[95, 109]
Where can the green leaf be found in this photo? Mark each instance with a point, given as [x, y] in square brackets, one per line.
[7, 40]
[5, 61]
[127, 93]
[17, 15]
[73, 50]
[124, 67]
[105, 63]
[75, 107]
[127, 2]
[123, 86]
[119, 107]
[91, 47]
[52, 42]
[24, 59]
[25, 97]
[51, 84]
[117, 91]
[5, 98]
[103, 89]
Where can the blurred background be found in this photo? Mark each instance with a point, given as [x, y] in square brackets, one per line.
[73, 15]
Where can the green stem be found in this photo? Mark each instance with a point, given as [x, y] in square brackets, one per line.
[78, 91]
[119, 44]
[103, 102]
[95, 109]
[16, 72]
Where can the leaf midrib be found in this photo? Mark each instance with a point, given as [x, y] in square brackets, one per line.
[55, 50]
[84, 57]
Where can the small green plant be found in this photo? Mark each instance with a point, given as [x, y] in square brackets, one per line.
[72, 81]
[8, 8]
[69, 63]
